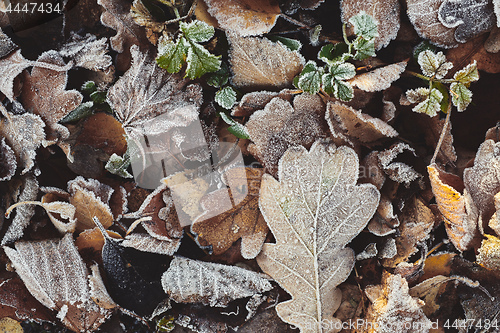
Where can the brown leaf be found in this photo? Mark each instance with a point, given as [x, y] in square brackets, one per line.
[8, 162]
[386, 13]
[494, 222]
[10, 325]
[87, 52]
[489, 253]
[429, 291]
[474, 49]
[257, 100]
[384, 221]
[6, 44]
[10, 68]
[379, 79]
[242, 220]
[258, 63]
[201, 13]
[245, 17]
[44, 94]
[459, 211]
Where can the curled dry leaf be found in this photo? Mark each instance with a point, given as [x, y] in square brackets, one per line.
[10, 67]
[40, 263]
[379, 79]
[8, 162]
[259, 63]
[6, 44]
[386, 13]
[430, 291]
[348, 125]
[242, 220]
[87, 52]
[209, 283]
[314, 211]
[245, 17]
[459, 210]
[280, 126]
[398, 171]
[257, 100]
[392, 303]
[384, 221]
[489, 252]
[44, 94]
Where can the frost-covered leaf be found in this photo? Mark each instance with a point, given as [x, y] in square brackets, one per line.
[292, 44]
[143, 17]
[310, 78]
[8, 162]
[245, 17]
[379, 79]
[171, 55]
[10, 68]
[431, 103]
[364, 48]
[434, 64]
[118, 165]
[209, 283]
[343, 71]
[468, 74]
[461, 96]
[6, 44]
[339, 89]
[24, 133]
[87, 52]
[259, 63]
[489, 252]
[226, 97]
[197, 31]
[398, 171]
[334, 53]
[243, 220]
[42, 263]
[219, 78]
[314, 211]
[257, 100]
[470, 17]
[146, 243]
[364, 25]
[235, 128]
[385, 13]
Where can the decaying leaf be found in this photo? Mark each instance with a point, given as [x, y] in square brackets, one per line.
[459, 210]
[494, 222]
[10, 67]
[8, 162]
[242, 220]
[209, 283]
[393, 310]
[41, 263]
[379, 79]
[314, 211]
[474, 50]
[10, 325]
[384, 221]
[280, 126]
[398, 171]
[489, 252]
[385, 13]
[245, 17]
[348, 125]
[6, 44]
[87, 52]
[429, 291]
[259, 63]
[257, 100]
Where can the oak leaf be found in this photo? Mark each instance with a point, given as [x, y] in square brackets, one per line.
[314, 211]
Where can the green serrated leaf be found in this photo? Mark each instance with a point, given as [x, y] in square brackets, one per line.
[309, 79]
[461, 96]
[364, 25]
[434, 64]
[468, 74]
[226, 97]
[118, 165]
[200, 61]
[219, 78]
[82, 111]
[171, 56]
[235, 127]
[431, 105]
[328, 83]
[89, 87]
[343, 91]
[332, 54]
[364, 48]
[98, 97]
[442, 89]
[343, 71]
[197, 31]
[292, 44]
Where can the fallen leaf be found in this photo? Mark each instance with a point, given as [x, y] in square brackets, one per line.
[459, 210]
[489, 252]
[494, 222]
[258, 63]
[379, 79]
[87, 52]
[257, 100]
[211, 284]
[243, 220]
[474, 50]
[429, 291]
[10, 67]
[8, 164]
[371, 171]
[492, 44]
[143, 17]
[384, 221]
[245, 17]
[398, 171]
[10, 325]
[317, 193]
[40, 263]
[6, 44]
[385, 13]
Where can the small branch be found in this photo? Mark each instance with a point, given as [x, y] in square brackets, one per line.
[294, 21]
[420, 76]
[443, 133]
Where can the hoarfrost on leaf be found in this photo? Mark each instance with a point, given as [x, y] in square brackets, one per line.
[314, 211]
[10, 68]
[434, 64]
[364, 25]
[8, 162]
[379, 79]
[431, 105]
[87, 52]
[461, 96]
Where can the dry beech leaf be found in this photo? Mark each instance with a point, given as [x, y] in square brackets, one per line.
[423, 15]
[6, 44]
[24, 134]
[245, 17]
[44, 94]
[87, 52]
[386, 13]
[379, 79]
[489, 252]
[40, 263]
[474, 50]
[348, 125]
[384, 221]
[210, 283]
[280, 126]
[314, 211]
[98, 291]
[398, 171]
[243, 220]
[93, 239]
[8, 163]
[10, 68]
[259, 63]
[392, 303]
[430, 291]
[459, 211]
[257, 100]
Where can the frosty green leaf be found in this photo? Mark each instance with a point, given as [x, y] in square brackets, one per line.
[197, 31]
[432, 104]
[343, 91]
[364, 48]
[82, 111]
[467, 74]
[310, 78]
[171, 56]
[219, 78]
[226, 97]
[236, 128]
[434, 64]
[200, 61]
[460, 95]
[292, 44]
[118, 165]
[332, 54]
[343, 71]
[364, 25]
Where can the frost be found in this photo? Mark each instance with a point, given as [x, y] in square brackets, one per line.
[434, 64]
[380, 78]
[10, 68]
[87, 52]
[147, 243]
[430, 100]
[259, 63]
[6, 44]
[257, 100]
[226, 97]
[310, 78]
[313, 212]
[42, 263]
[398, 171]
[470, 17]
[209, 283]
[8, 162]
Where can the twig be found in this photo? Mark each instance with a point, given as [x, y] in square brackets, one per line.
[443, 133]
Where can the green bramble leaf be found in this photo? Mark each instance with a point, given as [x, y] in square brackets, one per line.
[235, 128]
[460, 95]
[219, 78]
[98, 97]
[364, 48]
[89, 87]
[118, 165]
[431, 105]
[468, 74]
[343, 71]
[364, 25]
[171, 56]
[343, 91]
[328, 83]
[309, 79]
[200, 61]
[226, 97]
[434, 64]
[291, 44]
[197, 31]
[332, 54]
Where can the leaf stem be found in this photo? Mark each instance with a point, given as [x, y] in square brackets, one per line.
[443, 133]
[420, 76]
[294, 21]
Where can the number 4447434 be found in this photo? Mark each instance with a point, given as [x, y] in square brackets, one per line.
[32, 7]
